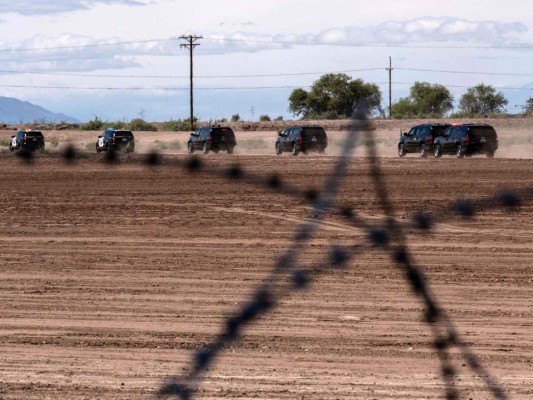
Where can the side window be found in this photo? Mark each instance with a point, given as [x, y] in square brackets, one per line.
[426, 131]
[412, 132]
[295, 132]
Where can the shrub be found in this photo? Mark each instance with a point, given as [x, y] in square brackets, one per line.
[174, 126]
[235, 118]
[94, 125]
[264, 118]
[139, 124]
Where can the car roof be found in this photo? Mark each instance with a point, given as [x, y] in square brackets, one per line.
[433, 124]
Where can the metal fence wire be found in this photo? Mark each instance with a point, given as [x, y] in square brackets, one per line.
[288, 275]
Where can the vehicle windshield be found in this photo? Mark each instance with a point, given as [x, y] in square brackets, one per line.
[34, 134]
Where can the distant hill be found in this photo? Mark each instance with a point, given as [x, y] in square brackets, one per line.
[13, 111]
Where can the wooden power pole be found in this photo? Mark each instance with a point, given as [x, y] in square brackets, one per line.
[190, 45]
[390, 87]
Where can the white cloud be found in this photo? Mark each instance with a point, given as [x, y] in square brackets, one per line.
[33, 7]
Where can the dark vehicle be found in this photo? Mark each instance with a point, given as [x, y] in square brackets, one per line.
[420, 139]
[27, 140]
[304, 138]
[212, 138]
[115, 140]
[467, 139]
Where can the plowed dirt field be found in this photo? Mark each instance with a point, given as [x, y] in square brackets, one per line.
[111, 276]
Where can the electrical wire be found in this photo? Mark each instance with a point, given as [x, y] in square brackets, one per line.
[185, 76]
[519, 46]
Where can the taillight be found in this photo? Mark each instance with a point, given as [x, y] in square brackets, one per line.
[300, 139]
[467, 139]
[430, 138]
[113, 138]
[24, 139]
[210, 138]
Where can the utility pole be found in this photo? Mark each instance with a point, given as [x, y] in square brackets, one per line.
[390, 87]
[252, 111]
[190, 45]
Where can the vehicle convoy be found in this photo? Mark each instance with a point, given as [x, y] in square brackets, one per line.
[27, 140]
[420, 139]
[116, 140]
[302, 138]
[467, 140]
[212, 138]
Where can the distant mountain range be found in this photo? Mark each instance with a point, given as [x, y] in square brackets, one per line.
[13, 111]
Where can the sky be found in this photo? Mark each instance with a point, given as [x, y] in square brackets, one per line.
[121, 59]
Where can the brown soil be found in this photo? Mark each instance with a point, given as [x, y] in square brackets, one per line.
[112, 276]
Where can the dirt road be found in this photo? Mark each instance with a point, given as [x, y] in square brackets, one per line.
[112, 276]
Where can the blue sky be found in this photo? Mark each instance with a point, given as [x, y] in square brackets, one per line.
[121, 59]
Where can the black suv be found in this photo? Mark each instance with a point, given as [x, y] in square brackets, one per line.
[467, 139]
[27, 140]
[212, 138]
[302, 138]
[420, 139]
[116, 139]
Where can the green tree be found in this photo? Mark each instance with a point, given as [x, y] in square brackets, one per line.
[264, 118]
[424, 101]
[334, 96]
[529, 107]
[235, 118]
[482, 100]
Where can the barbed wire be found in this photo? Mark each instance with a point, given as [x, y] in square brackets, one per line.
[387, 235]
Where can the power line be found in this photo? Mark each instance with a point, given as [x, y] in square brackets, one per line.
[278, 42]
[379, 45]
[280, 74]
[225, 88]
[152, 88]
[184, 76]
[464, 72]
[82, 46]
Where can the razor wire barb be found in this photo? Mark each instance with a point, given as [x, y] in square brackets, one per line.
[388, 236]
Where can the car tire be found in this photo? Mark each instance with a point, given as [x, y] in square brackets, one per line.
[230, 150]
[190, 148]
[321, 151]
[490, 153]
[422, 151]
[401, 150]
[205, 148]
[437, 152]
[294, 149]
[278, 149]
[459, 153]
